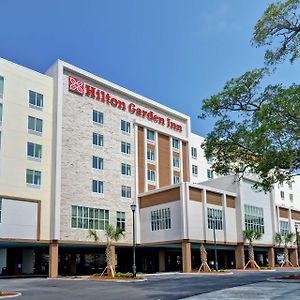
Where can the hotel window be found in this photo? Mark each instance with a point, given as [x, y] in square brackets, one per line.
[291, 197]
[98, 163]
[0, 210]
[35, 100]
[209, 160]
[126, 191]
[214, 218]
[125, 148]
[210, 174]
[282, 195]
[150, 135]
[161, 219]
[35, 125]
[1, 86]
[97, 117]
[176, 179]
[33, 177]
[175, 144]
[254, 218]
[121, 220]
[97, 186]
[194, 152]
[284, 227]
[194, 170]
[151, 155]
[125, 126]
[125, 169]
[34, 151]
[89, 218]
[290, 185]
[151, 175]
[98, 139]
[176, 162]
[1, 111]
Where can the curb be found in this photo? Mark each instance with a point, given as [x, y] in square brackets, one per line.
[11, 296]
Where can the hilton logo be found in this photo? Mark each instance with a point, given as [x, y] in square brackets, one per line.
[76, 85]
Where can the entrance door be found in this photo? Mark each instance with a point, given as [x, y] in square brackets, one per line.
[14, 261]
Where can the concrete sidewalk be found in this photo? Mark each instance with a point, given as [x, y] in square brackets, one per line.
[262, 290]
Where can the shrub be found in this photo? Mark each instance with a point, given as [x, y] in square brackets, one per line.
[124, 275]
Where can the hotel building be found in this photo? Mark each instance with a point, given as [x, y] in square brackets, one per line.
[77, 150]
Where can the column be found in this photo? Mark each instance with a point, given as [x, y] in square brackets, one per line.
[239, 257]
[161, 260]
[113, 260]
[294, 257]
[53, 259]
[186, 257]
[271, 257]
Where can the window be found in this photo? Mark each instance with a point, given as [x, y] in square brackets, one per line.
[97, 117]
[151, 155]
[125, 169]
[0, 139]
[98, 139]
[290, 185]
[214, 218]
[1, 86]
[121, 220]
[125, 148]
[35, 99]
[34, 150]
[1, 109]
[161, 219]
[97, 163]
[97, 186]
[210, 174]
[176, 162]
[282, 195]
[176, 179]
[125, 126]
[291, 197]
[209, 159]
[194, 152]
[194, 170]
[35, 125]
[175, 144]
[89, 218]
[0, 210]
[284, 227]
[254, 218]
[150, 135]
[126, 191]
[151, 175]
[33, 177]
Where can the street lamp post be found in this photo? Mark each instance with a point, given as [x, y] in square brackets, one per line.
[215, 246]
[297, 245]
[133, 208]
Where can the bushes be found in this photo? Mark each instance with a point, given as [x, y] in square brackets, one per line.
[124, 275]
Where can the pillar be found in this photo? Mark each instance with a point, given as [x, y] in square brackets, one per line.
[53, 259]
[113, 260]
[186, 257]
[294, 257]
[271, 257]
[161, 260]
[239, 257]
[73, 264]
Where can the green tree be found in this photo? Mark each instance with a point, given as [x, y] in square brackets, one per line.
[251, 235]
[279, 27]
[256, 129]
[112, 235]
[286, 239]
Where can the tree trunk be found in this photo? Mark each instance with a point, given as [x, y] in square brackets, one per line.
[286, 256]
[251, 256]
[110, 267]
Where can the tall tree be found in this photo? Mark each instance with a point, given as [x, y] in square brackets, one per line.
[279, 27]
[257, 129]
[287, 239]
[251, 235]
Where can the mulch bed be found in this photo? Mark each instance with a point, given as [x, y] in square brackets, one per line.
[2, 294]
[291, 277]
[113, 278]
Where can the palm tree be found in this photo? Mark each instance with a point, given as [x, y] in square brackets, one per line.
[287, 239]
[251, 235]
[203, 255]
[112, 234]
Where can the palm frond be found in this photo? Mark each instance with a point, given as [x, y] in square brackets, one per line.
[278, 238]
[93, 234]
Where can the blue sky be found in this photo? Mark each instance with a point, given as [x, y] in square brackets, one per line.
[176, 52]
